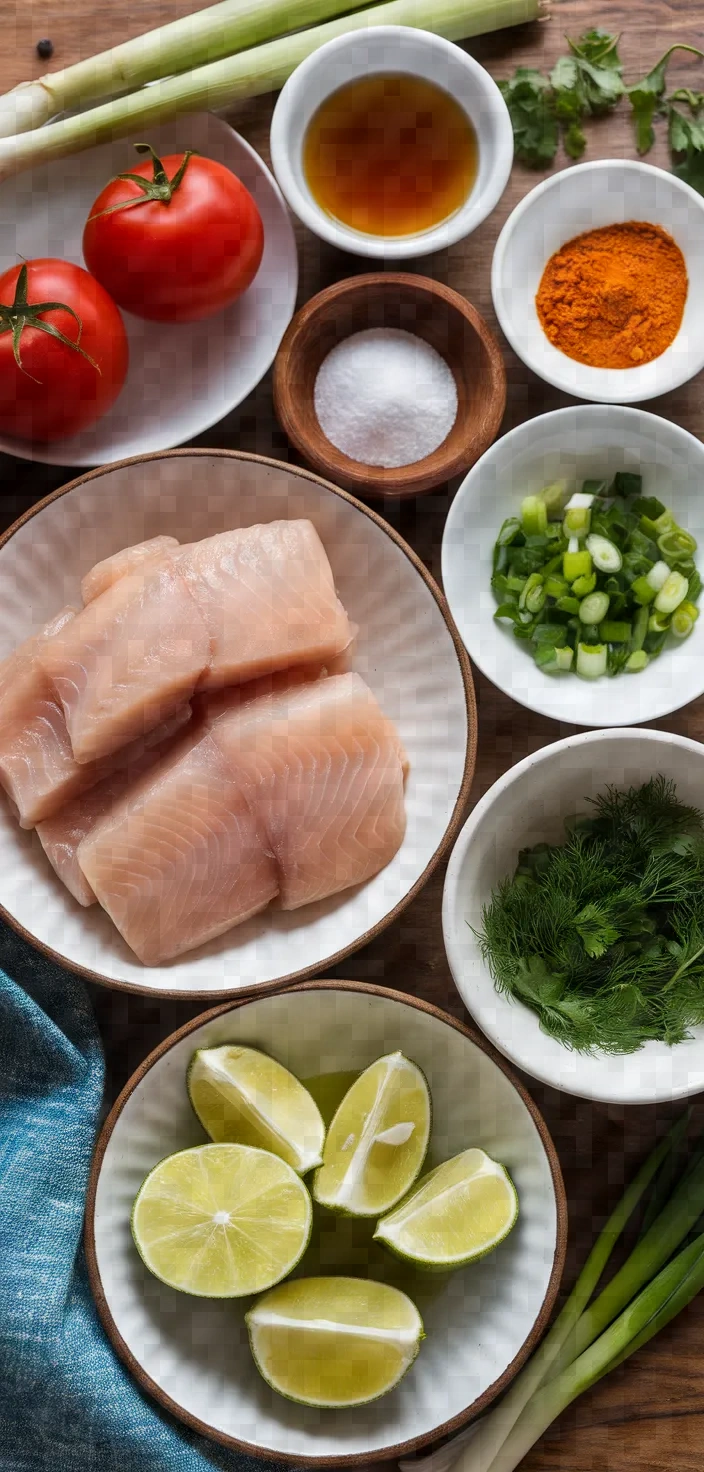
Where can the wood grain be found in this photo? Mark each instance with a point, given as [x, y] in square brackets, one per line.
[649, 1416]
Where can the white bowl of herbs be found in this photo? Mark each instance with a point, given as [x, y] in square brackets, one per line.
[571, 561]
[573, 915]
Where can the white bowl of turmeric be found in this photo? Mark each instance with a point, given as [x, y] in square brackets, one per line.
[594, 281]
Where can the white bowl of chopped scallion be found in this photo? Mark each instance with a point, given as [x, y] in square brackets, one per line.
[572, 560]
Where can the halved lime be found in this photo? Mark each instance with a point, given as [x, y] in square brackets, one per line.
[222, 1221]
[455, 1214]
[334, 1341]
[242, 1095]
[377, 1140]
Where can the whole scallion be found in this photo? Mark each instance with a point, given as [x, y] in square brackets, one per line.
[191, 41]
[582, 1346]
[220, 84]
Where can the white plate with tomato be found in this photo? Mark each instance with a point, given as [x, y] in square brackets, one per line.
[224, 236]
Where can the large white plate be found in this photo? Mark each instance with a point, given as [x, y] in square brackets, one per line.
[481, 1322]
[407, 650]
[182, 377]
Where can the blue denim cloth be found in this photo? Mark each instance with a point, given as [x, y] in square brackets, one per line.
[66, 1402]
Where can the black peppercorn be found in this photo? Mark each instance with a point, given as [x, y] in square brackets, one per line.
[45, 49]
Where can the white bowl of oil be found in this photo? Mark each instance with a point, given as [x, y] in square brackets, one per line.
[391, 142]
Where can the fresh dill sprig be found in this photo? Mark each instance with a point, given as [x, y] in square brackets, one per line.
[603, 936]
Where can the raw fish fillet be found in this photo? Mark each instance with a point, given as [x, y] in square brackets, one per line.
[324, 771]
[179, 859]
[127, 661]
[37, 767]
[131, 559]
[268, 597]
[61, 834]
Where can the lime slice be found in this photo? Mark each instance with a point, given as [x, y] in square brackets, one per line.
[458, 1212]
[334, 1341]
[222, 1221]
[377, 1141]
[242, 1095]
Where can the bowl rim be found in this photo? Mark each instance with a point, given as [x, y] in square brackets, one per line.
[470, 704]
[355, 1459]
[408, 480]
[631, 413]
[464, 841]
[402, 247]
[622, 391]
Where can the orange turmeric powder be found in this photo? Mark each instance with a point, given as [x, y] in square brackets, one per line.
[614, 297]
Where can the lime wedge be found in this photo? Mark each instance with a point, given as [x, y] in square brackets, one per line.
[242, 1095]
[222, 1221]
[334, 1341]
[377, 1140]
[457, 1213]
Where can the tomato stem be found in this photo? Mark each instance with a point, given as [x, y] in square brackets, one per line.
[23, 314]
[160, 188]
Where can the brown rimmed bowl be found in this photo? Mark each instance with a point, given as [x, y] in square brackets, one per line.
[481, 1322]
[407, 649]
[425, 308]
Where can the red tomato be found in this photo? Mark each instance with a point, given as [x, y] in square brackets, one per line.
[58, 391]
[185, 250]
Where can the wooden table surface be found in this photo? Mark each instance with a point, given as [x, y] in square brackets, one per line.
[648, 1416]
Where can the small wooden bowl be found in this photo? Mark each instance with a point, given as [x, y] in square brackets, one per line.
[429, 310]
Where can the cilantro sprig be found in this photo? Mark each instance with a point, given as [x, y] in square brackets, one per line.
[588, 83]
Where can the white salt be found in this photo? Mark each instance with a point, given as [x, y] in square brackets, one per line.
[385, 397]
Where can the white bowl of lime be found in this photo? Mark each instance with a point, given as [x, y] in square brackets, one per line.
[192, 1351]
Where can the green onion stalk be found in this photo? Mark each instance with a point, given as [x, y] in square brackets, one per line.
[588, 1339]
[193, 40]
[663, 1298]
[234, 78]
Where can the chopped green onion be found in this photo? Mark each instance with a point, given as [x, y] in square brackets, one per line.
[532, 587]
[594, 488]
[555, 586]
[637, 661]
[568, 605]
[591, 660]
[642, 590]
[577, 520]
[534, 516]
[676, 544]
[627, 483]
[554, 497]
[613, 631]
[564, 657]
[640, 629]
[576, 565]
[658, 623]
[684, 619]
[583, 586]
[509, 531]
[658, 575]
[594, 608]
[673, 591]
[605, 554]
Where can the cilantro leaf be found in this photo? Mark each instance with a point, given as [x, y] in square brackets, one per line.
[595, 930]
[530, 101]
[646, 97]
[686, 137]
[600, 67]
[570, 103]
[600, 48]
